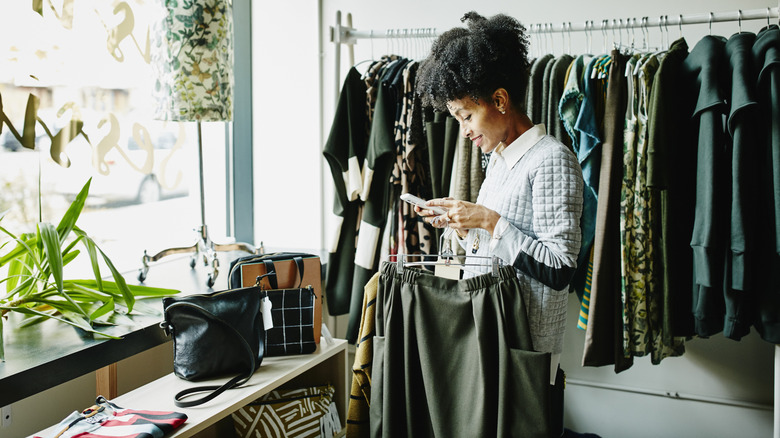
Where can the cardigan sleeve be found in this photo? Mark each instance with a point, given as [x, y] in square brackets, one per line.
[551, 255]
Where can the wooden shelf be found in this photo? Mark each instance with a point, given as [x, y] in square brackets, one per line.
[328, 364]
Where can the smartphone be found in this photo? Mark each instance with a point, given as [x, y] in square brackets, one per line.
[414, 200]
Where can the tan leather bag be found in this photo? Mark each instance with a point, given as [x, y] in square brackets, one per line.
[245, 270]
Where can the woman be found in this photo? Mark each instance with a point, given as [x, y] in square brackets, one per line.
[529, 206]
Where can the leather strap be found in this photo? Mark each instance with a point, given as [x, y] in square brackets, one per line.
[270, 271]
[232, 383]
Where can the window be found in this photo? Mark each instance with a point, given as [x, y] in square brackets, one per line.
[86, 64]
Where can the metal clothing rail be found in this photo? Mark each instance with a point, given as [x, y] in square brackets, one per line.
[346, 34]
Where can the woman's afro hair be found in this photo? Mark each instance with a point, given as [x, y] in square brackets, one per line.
[490, 53]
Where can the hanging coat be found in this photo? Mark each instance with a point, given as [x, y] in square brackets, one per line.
[703, 77]
[766, 56]
[669, 175]
[345, 151]
[741, 162]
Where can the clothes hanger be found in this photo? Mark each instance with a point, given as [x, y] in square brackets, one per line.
[589, 34]
[446, 257]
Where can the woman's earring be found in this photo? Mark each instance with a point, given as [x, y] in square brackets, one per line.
[502, 111]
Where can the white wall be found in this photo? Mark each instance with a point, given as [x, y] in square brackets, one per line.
[732, 381]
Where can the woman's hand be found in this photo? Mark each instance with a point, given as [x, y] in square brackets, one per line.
[461, 215]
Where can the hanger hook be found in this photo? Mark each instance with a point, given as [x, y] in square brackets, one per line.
[666, 31]
[711, 23]
[563, 38]
[552, 41]
[768, 11]
[680, 24]
[739, 19]
[587, 35]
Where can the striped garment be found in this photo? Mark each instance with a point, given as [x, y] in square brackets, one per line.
[105, 419]
[360, 393]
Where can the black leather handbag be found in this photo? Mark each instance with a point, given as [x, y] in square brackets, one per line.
[215, 335]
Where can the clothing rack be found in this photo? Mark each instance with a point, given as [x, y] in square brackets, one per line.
[346, 34]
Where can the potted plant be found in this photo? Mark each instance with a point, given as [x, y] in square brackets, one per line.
[35, 284]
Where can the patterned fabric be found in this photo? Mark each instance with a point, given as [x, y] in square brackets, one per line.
[193, 59]
[300, 413]
[292, 312]
[643, 306]
[587, 128]
[411, 169]
[633, 299]
[105, 419]
[582, 318]
[360, 392]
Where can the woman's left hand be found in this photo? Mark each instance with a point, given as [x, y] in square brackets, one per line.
[461, 215]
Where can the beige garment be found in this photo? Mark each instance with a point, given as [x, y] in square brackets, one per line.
[467, 173]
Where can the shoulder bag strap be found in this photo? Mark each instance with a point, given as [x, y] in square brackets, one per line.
[232, 383]
[270, 270]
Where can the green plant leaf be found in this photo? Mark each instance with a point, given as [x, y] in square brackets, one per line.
[120, 282]
[15, 269]
[88, 328]
[23, 246]
[51, 246]
[69, 256]
[68, 220]
[104, 309]
[23, 289]
[136, 290]
[92, 251]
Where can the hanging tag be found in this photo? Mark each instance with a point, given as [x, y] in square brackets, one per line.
[326, 336]
[268, 321]
[333, 415]
[446, 270]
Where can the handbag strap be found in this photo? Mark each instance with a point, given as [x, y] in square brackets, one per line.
[232, 383]
[270, 270]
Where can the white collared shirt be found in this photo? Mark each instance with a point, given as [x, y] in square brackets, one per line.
[511, 155]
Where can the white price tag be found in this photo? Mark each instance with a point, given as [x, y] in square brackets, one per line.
[268, 321]
[447, 271]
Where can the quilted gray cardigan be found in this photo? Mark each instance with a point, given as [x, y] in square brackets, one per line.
[541, 198]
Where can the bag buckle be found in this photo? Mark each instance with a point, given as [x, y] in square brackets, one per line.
[166, 327]
[260, 277]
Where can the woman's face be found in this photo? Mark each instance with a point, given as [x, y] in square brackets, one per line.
[479, 121]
